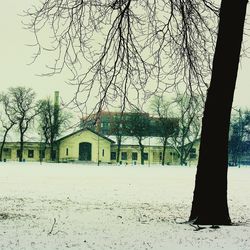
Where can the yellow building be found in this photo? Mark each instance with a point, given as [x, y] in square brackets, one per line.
[33, 151]
[87, 146]
[130, 151]
[84, 145]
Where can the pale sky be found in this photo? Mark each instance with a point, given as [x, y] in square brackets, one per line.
[15, 56]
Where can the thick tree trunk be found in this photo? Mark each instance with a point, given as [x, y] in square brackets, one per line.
[210, 194]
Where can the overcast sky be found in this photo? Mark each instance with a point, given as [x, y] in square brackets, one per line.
[15, 56]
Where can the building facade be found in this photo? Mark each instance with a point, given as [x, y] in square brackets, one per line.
[130, 152]
[88, 146]
[33, 151]
[84, 145]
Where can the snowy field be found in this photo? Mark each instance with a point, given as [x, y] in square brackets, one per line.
[70, 206]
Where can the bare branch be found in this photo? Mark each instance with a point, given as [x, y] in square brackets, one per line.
[121, 52]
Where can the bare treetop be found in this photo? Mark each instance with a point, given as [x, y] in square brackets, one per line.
[127, 50]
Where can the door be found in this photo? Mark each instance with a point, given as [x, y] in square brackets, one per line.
[85, 151]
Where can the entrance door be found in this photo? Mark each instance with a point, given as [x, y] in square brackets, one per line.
[85, 151]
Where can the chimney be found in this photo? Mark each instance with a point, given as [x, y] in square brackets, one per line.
[56, 98]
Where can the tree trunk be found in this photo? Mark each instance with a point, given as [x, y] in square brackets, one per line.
[181, 152]
[51, 151]
[142, 152]
[164, 152]
[182, 157]
[1, 150]
[210, 194]
[182, 162]
[21, 148]
[118, 149]
[2, 145]
[142, 156]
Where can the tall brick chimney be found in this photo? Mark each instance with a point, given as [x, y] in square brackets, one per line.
[56, 98]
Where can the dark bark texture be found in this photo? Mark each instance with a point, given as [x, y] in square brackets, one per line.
[21, 148]
[142, 150]
[164, 151]
[210, 194]
[119, 142]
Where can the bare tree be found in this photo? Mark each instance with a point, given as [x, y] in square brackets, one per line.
[238, 136]
[210, 194]
[7, 119]
[146, 47]
[52, 121]
[118, 128]
[166, 122]
[138, 125]
[146, 42]
[188, 110]
[23, 107]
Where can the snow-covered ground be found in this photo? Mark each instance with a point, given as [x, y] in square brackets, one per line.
[71, 206]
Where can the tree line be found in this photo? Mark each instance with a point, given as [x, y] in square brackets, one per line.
[18, 110]
[187, 41]
[239, 137]
[175, 122]
[191, 37]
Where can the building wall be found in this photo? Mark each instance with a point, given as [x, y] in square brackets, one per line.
[69, 147]
[72, 144]
[30, 152]
[154, 155]
[193, 156]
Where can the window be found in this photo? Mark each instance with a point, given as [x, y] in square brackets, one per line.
[160, 156]
[41, 154]
[124, 156]
[193, 150]
[103, 153]
[145, 156]
[113, 156]
[7, 152]
[192, 154]
[53, 155]
[18, 153]
[134, 156]
[31, 153]
[67, 151]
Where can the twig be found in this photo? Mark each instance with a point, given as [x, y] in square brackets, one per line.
[52, 227]
[59, 231]
[197, 227]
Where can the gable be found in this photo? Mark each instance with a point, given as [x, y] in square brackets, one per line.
[89, 133]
